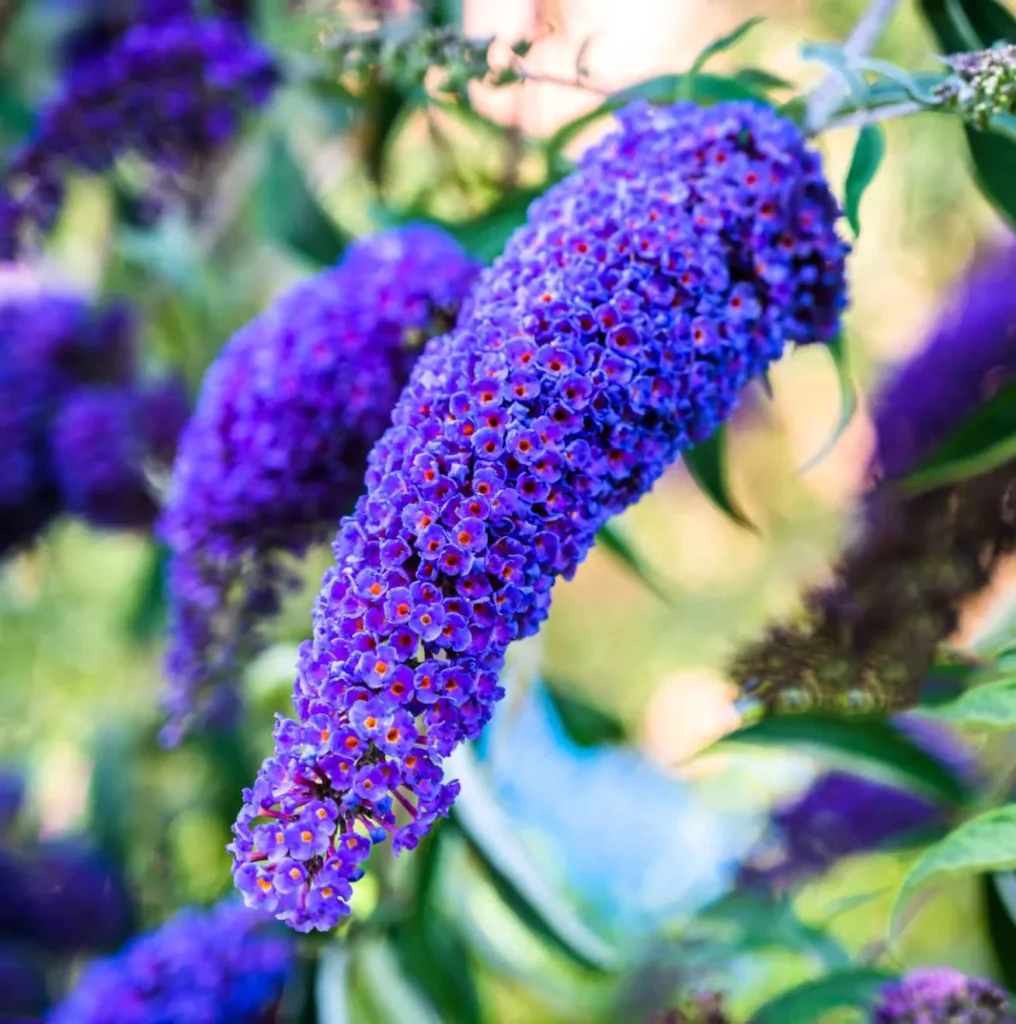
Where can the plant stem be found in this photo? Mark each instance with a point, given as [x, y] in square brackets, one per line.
[864, 36]
[859, 118]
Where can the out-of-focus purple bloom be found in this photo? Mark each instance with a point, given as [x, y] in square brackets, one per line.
[841, 815]
[277, 448]
[221, 966]
[50, 343]
[616, 330]
[104, 441]
[169, 92]
[941, 995]
[12, 795]
[971, 352]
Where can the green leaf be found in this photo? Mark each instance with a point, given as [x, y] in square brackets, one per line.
[707, 464]
[299, 1002]
[984, 843]
[290, 213]
[613, 540]
[837, 350]
[868, 153]
[585, 724]
[1000, 909]
[988, 706]
[148, 615]
[763, 923]
[485, 236]
[517, 880]
[858, 741]
[704, 89]
[331, 986]
[961, 25]
[806, 1003]
[759, 78]
[112, 794]
[984, 440]
[723, 43]
[429, 944]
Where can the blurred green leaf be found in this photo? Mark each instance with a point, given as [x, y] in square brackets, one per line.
[430, 946]
[960, 25]
[868, 153]
[148, 615]
[987, 706]
[725, 42]
[702, 88]
[984, 440]
[289, 211]
[585, 724]
[1000, 908]
[331, 986]
[612, 539]
[984, 843]
[395, 998]
[517, 880]
[806, 1003]
[707, 464]
[486, 235]
[299, 1002]
[837, 350]
[759, 78]
[764, 923]
[858, 739]
[112, 796]
[384, 109]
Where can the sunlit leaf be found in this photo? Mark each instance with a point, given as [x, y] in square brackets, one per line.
[984, 440]
[707, 464]
[859, 741]
[868, 153]
[988, 706]
[837, 350]
[332, 986]
[806, 1003]
[984, 843]
[1000, 910]
[612, 539]
[518, 881]
[724, 43]
[290, 212]
[148, 616]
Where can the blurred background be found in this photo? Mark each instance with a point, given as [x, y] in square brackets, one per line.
[81, 612]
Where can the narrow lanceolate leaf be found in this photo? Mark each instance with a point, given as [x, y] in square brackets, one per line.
[807, 1003]
[518, 881]
[724, 43]
[985, 843]
[868, 153]
[585, 724]
[290, 212]
[1000, 910]
[707, 464]
[861, 742]
[612, 539]
[984, 440]
[989, 706]
[837, 350]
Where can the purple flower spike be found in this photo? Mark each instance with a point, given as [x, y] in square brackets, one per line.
[971, 353]
[276, 451]
[223, 964]
[169, 92]
[942, 994]
[538, 419]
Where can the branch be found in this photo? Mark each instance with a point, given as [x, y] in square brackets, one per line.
[865, 35]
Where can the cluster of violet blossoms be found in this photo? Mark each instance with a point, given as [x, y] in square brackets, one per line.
[170, 92]
[275, 453]
[941, 994]
[220, 966]
[79, 429]
[617, 329]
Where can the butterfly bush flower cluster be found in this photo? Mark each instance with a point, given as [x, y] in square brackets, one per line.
[942, 994]
[842, 815]
[220, 966]
[79, 427]
[617, 329]
[868, 638]
[276, 451]
[170, 93]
